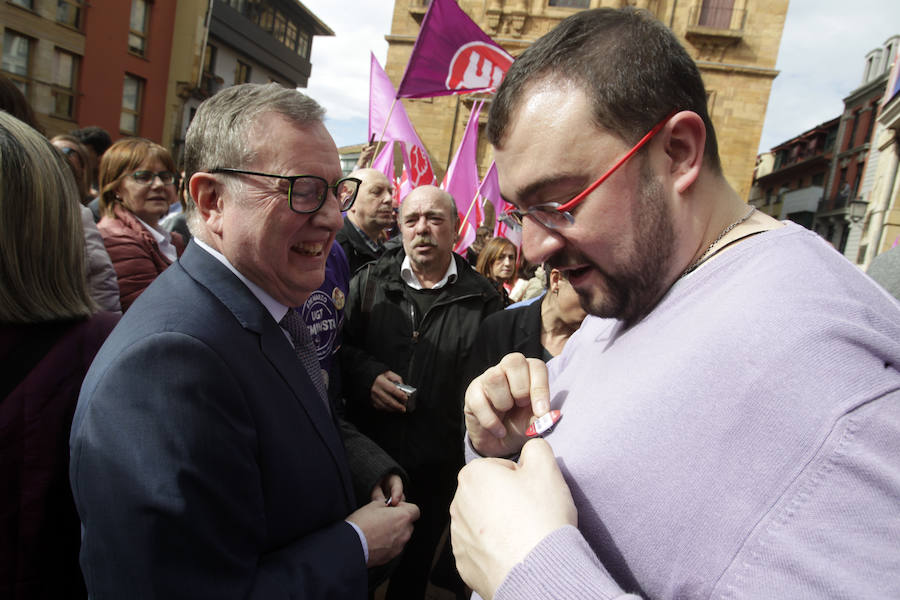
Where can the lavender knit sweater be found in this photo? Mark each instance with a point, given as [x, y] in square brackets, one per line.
[742, 441]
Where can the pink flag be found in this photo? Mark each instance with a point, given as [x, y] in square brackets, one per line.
[489, 190]
[452, 55]
[384, 162]
[405, 186]
[388, 121]
[462, 180]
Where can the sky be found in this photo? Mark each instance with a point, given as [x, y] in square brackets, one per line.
[821, 60]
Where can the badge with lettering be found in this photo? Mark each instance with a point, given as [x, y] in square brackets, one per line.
[322, 319]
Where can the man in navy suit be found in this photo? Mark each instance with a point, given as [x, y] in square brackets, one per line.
[205, 459]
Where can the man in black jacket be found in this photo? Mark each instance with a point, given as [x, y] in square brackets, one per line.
[362, 236]
[412, 318]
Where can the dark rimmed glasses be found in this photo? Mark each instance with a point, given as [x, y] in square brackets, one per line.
[554, 215]
[308, 193]
[147, 177]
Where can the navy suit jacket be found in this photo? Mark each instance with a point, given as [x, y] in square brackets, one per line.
[203, 463]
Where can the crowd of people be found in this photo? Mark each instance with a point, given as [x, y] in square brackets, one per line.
[255, 377]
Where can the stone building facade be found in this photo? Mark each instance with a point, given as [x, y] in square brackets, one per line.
[881, 224]
[734, 42]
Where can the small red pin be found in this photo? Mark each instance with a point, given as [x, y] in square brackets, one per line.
[543, 424]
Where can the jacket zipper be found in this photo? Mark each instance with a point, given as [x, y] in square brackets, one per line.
[412, 317]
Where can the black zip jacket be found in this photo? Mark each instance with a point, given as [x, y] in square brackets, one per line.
[380, 335]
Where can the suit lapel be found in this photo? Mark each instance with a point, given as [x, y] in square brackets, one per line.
[278, 350]
[274, 345]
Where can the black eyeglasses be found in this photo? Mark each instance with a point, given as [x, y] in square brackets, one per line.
[147, 177]
[307, 193]
[558, 216]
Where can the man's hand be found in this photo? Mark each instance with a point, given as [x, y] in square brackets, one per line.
[390, 487]
[385, 395]
[387, 528]
[502, 510]
[501, 402]
[365, 155]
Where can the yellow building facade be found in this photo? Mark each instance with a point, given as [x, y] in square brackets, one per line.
[734, 42]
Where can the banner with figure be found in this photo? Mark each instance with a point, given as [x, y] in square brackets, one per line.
[452, 55]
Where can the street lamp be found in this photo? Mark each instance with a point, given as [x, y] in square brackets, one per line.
[857, 210]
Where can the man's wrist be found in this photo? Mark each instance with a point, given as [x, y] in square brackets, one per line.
[362, 540]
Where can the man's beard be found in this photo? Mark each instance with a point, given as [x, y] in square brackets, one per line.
[637, 285]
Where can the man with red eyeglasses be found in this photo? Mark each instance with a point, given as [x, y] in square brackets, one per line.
[726, 421]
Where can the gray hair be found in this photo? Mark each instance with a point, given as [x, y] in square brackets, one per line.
[42, 253]
[219, 135]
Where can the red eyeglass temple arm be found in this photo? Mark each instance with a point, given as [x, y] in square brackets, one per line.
[577, 199]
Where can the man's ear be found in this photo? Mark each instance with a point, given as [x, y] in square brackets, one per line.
[206, 192]
[684, 142]
[554, 281]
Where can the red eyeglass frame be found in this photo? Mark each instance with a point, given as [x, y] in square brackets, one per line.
[580, 197]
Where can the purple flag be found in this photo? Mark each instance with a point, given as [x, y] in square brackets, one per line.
[461, 180]
[452, 55]
[388, 121]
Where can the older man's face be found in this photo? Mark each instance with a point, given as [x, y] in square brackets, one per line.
[373, 208]
[428, 227]
[281, 251]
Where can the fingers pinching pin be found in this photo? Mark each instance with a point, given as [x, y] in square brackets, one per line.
[543, 424]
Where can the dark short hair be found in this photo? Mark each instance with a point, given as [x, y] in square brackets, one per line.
[631, 66]
[13, 101]
[96, 138]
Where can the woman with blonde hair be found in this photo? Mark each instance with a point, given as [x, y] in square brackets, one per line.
[138, 180]
[49, 334]
[497, 262]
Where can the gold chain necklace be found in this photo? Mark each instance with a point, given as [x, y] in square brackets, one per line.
[725, 231]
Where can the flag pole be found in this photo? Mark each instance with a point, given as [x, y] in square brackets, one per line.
[383, 129]
[468, 212]
[453, 130]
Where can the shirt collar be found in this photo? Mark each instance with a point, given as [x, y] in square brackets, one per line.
[406, 273]
[163, 239]
[373, 245]
[275, 308]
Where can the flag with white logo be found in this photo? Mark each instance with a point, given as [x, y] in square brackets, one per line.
[452, 55]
